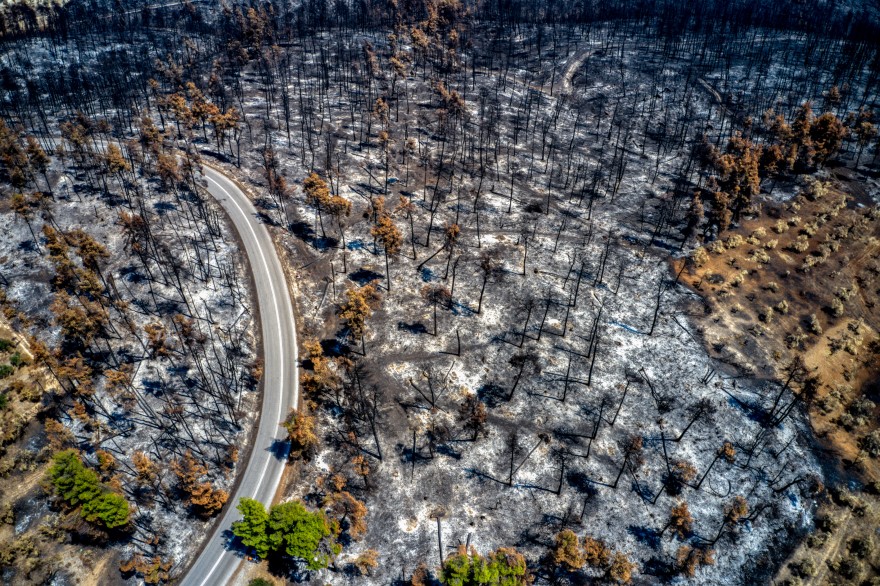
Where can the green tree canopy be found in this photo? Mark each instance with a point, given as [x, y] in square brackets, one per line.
[287, 529]
[79, 485]
[298, 533]
[252, 528]
[503, 567]
[108, 509]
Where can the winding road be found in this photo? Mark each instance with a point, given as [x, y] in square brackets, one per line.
[259, 480]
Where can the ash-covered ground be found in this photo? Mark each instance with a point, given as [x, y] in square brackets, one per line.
[548, 171]
[587, 342]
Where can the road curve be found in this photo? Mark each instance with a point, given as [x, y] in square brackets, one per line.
[215, 565]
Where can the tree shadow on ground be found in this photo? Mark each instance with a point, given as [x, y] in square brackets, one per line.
[646, 535]
[27, 246]
[482, 476]
[413, 328]
[153, 387]
[750, 409]
[645, 493]
[333, 348]
[289, 569]
[280, 449]
[163, 207]
[364, 276]
[266, 219]
[581, 483]
[325, 243]
[492, 394]
[132, 275]
[233, 544]
[660, 569]
[371, 188]
[447, 450]
[303, 231]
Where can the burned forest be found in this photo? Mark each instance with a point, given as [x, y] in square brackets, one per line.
[439, 292]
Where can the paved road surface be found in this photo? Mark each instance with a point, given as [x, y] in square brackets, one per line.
[215, 565]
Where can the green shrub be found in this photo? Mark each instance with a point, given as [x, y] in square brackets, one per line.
[801, 244]
[765, 314]
[734, 241]
[871, 443]
[862, 407]
[6, 370]
[6, 344]
[700, 256]
[252, 528]
[760, 257]
[850, 568]
[817, 540]
[806, 568]
[299, 533]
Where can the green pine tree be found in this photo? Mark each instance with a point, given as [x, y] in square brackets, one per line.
[109, 509]
[503, 567]
[298, 533]
[288, 529]
[252, 528]
[81, 486]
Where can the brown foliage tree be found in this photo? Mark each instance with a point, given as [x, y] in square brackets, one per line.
[688, 559]
[389, 236]
[301, 434]
[827, 134]
[358, 308]
[596, 553]
[681, 473]
[680, 520]
[58, 436]
[320, 379]
[147, 470]
[567, 552]
[205, 500]
[736, 510]
[621, 569]
[152, 570]
[366, 562]
[348, 509]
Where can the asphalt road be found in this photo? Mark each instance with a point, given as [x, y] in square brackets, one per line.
[259, 480]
